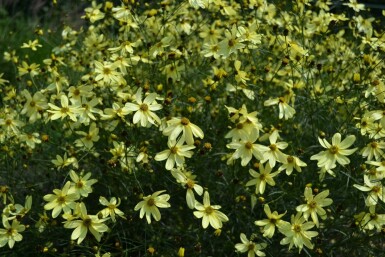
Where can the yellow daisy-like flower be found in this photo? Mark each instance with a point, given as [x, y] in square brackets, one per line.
[144, 109]
[297, 232]
[61, 200]
[184, 126]
[314, 205]
[260, 179]
[86, 223]
[150, 205]
[10, 233]
[175, 154]
[250, 247]
[112, 208]
[273, 220]
[336, 151]
[209, 213]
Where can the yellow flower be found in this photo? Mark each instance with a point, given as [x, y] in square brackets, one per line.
[314, 205]
[144, 109]
[150, 204]
[336, 152]
[32, 69]
[209, 213]
[10, 233]
[285, 110]
[186, 179]
[89, 138]
[260, 179]
[176, 126]
[32, 45]
[34, 105]
[65, 110]
[82, 184]
[112, 208]
[273, 220]
[246, 149]
[86, 223]
[250, 247]
[290, 163]
[61, 200]
[175, 154]
[375, 189]
[297, 232]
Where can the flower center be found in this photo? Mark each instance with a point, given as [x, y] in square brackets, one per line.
[251, 246]
[87, 222]
[184, 121]
[64, 110]
[61, 199]
[273, 147]
[190, 183]
[333, 149]
[249, 145]
[209, 210]
[297, 228]
[143, 107]
[312, 204]
[239, 126]
[32, 104]
[373, 144]
[290, 159]
[151, 202]
[174, 150]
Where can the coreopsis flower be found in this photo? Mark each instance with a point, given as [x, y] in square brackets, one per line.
[64, 161]
[355, 5]
[273, 220]
[373, 149]
[297, 232]
[82, 184]
[336, 151]
[107, 73]
[249, 246]
[199, 3]
[93, 13]
[285, 110]
[291, 163]
[379, 172]
[370, 220]
[314, 205]
[375, 190]
[10, 233]
[32, 70]
[144, 109]
[232, 43]
[176, 126]
[61, 200]
[18, 211]
[150, 205]
[65, 110]
[246, 149]
[209, 214]
[32, 44]
[84, 223]
[111, 209]
[262, 178]
[89, 138]
[186, 179]
[11, 124]
[175, 155]
[34, 105]
[273, 154]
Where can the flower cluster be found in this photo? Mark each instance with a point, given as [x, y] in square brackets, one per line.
[127, 124]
